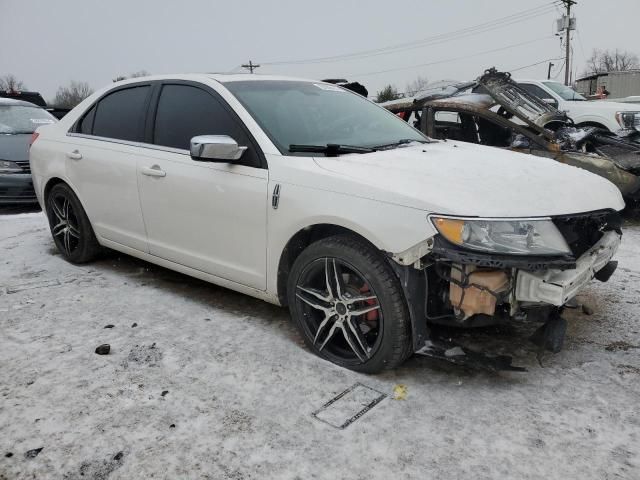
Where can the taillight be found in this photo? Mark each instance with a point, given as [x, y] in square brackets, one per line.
[34, 137]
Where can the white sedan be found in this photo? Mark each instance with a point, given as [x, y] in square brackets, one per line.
[307, 195]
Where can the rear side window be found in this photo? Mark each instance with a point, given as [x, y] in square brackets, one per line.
[121, 114]
[85, 125]
[184, 112]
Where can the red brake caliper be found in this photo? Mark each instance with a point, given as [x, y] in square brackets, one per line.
[373, 315]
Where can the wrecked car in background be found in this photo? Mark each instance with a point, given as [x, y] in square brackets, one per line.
[497, 112]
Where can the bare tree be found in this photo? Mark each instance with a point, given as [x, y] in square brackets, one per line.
[10, 82]
[72, 95]
[602, 61]
[387, 93]
[139, 73]
[416, 85]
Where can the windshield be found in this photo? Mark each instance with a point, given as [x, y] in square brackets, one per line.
[22, 119]
[305, 113]
[567, 93]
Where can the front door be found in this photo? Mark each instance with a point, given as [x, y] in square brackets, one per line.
[208, 216]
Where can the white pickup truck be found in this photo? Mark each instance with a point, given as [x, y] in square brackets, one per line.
[613, 116]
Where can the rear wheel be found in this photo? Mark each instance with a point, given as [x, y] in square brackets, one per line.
[70, 227]
[349, 305]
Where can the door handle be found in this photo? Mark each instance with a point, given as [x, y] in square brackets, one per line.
[74, 155]
[154, 171]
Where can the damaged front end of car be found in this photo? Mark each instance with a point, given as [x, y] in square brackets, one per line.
[486, 271]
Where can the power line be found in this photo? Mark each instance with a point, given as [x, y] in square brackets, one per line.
[356, 75]
[555, 77]
[436, 39]
[534, 64]
[469, 31]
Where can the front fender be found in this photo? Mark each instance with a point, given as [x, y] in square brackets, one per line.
[390, 228]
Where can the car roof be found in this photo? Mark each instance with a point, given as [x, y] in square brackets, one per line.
[13, 102]
[219, 77]
[239, 77]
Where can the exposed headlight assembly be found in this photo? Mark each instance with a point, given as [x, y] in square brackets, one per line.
[9, 167]
[538, 236]
[628, 120]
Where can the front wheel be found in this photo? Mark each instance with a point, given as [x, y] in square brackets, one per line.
[349, 305]
[70, 227]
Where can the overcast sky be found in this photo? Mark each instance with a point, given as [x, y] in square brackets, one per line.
[47, 43]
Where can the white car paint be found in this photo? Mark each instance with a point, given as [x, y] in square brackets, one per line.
[227, 203]
[215, 221]
[590, 112]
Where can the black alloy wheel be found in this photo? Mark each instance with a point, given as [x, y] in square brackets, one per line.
[349, 306]
[70, 227]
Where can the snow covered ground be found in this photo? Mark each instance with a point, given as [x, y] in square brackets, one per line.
[202, 382]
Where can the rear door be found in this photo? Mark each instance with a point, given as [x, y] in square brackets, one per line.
[101, 163]
[208, 216]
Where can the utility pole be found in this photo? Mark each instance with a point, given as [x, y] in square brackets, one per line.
[250, 66]
[568, 26]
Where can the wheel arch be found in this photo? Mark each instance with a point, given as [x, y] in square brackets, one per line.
[301, 240]
[412, 282]
[55, 180]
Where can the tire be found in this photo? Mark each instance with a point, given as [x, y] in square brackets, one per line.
[70, 227]
[359, 320]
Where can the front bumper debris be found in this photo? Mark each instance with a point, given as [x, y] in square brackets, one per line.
[452, 352]
[556, 287]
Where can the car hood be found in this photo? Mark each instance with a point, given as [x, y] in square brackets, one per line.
[14, 147]
[464, 179]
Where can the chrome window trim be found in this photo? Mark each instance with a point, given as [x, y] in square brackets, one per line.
[150, 146]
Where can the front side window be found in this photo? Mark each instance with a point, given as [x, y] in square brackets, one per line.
[17, 119]
[185, 112]
[567, 93]
[120, 114]
[306, 113]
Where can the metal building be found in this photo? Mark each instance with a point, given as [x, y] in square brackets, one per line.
[619, 84]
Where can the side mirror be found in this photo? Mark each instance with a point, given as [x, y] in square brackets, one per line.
[550, 101]
[216, 148]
